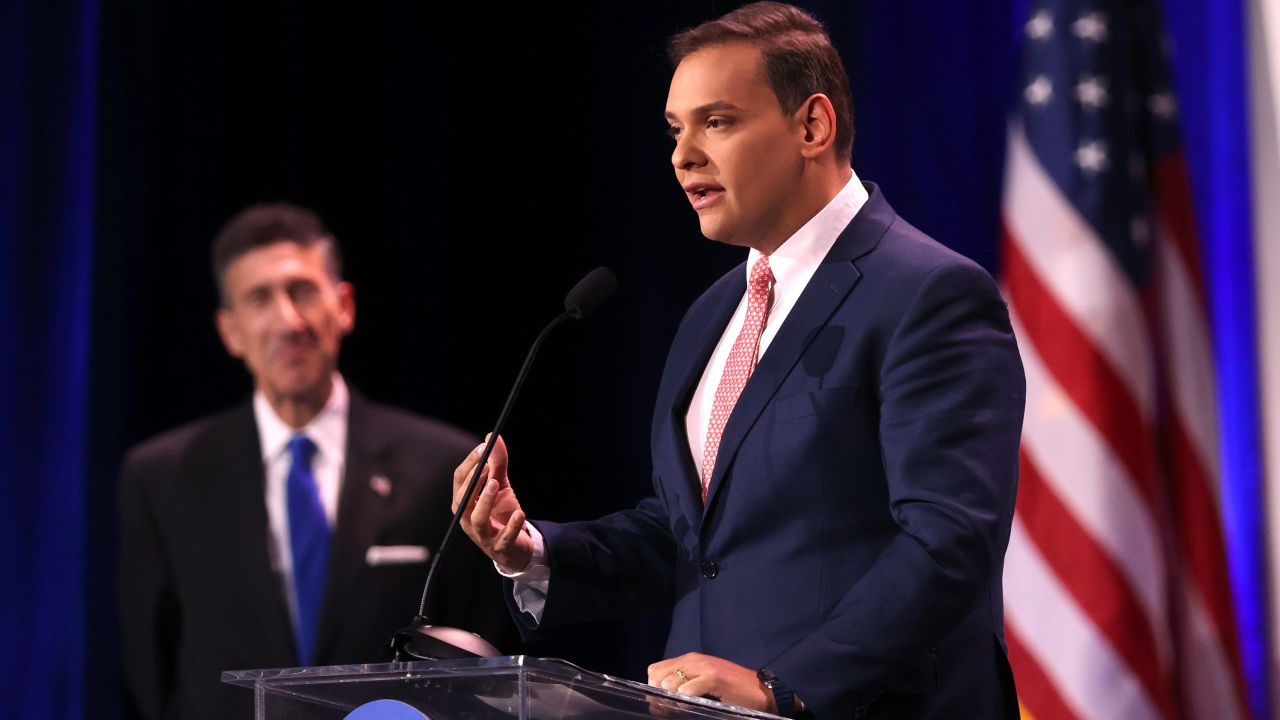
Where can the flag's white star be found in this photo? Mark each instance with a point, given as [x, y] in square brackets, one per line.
[1039, 91]
[1162, 105]
[1040, 26]
[1091, 91]
[1091, 26]
[1091, 156]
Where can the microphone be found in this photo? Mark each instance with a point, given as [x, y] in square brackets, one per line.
[421, 640]
[590, 293]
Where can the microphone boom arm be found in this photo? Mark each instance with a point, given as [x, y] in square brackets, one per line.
[420, 639]
[484, 458]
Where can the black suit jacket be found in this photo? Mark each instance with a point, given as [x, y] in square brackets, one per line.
[198, 594]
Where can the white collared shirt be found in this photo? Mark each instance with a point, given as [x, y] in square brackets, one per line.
[793, 265]
[328, 430]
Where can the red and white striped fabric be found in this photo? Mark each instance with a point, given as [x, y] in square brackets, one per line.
[1117, 601]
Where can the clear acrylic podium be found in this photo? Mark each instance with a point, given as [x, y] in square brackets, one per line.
[479, 689]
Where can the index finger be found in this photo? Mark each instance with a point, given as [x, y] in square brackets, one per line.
[462, 474]
[498, 459]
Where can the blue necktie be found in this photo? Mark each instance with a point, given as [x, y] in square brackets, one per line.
[309, 539]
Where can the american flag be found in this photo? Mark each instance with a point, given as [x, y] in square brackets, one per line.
[1116, 592]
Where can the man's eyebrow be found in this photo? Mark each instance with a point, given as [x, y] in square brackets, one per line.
[711, 107]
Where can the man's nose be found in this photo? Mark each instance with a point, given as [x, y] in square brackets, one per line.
[288, 313]
[687, 154]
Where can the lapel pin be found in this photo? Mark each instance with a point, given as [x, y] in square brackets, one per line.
[381, 485]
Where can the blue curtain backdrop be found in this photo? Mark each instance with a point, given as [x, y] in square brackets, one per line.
[128, 134]
[48, 96]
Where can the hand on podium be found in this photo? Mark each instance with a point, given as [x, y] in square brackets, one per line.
[495, 522]
[709, 676]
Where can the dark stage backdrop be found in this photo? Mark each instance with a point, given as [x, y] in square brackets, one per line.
[475, 160]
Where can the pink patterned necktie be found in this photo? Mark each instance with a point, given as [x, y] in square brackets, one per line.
[738, 368]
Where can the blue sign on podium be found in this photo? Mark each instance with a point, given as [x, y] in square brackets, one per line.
[386, 710]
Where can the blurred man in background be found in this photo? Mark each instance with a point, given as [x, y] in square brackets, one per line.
[295, 528]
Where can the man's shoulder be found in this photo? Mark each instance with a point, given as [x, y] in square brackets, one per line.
[907, 265]
[171, 446]
[884, 246]
[908, 251]
[397, 426]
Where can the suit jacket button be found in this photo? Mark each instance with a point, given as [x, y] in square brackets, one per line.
[710, 569]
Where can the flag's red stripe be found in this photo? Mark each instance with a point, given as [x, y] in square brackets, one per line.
[1200, 542]
[1094, 581]
[1080, 369]
[1036, 691]
[1174, 206]
[1196, 512]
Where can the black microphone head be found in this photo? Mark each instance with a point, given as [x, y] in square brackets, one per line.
[590, 293]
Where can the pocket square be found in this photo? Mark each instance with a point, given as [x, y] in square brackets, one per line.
[396, 554]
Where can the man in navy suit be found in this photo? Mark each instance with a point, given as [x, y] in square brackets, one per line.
[835, 435]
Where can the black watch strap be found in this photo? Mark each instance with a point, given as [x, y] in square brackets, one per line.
[783, 696]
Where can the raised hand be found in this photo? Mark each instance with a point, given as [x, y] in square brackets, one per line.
[494, 520]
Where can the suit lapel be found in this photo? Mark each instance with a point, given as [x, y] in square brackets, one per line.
[831, 283]
[227, 465]
[362, 512]
[691, 358]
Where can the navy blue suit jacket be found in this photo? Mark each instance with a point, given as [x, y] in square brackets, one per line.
[854, 535]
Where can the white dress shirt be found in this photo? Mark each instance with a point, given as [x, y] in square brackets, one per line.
[328, 430]
[793, 264]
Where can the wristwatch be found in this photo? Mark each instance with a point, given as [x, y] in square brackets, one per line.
[783, 697]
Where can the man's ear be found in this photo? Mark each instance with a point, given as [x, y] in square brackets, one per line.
[346, 306]
[229, 331]
[817, 116]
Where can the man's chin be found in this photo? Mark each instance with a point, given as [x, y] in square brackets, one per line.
[301, 386]
[712, 230]
[716, 233]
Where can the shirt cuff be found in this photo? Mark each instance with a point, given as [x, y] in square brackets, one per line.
[531, 584]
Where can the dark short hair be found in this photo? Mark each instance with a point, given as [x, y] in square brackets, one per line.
[261, 225]
[799, 59]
